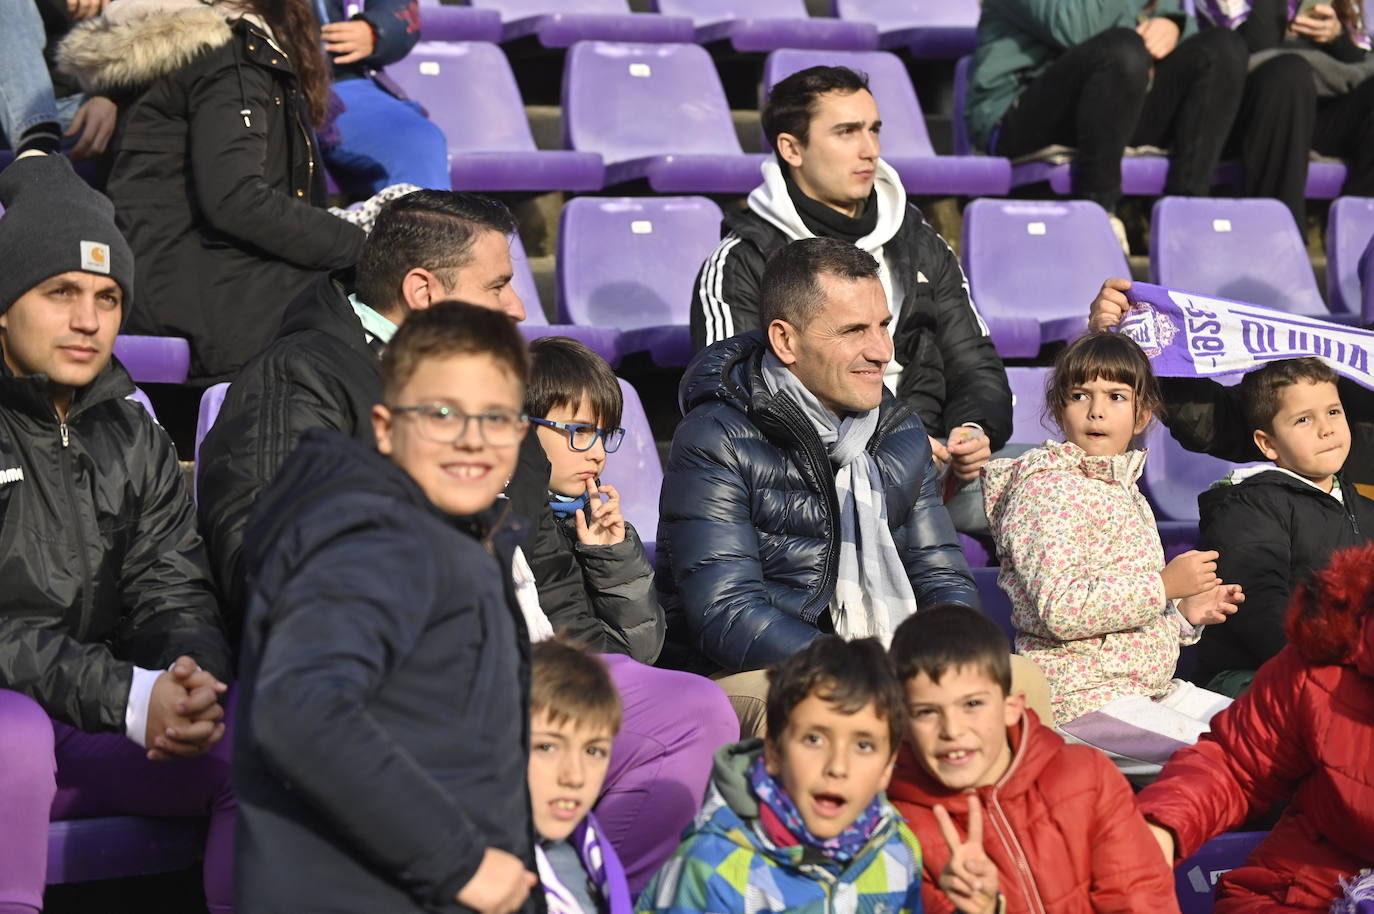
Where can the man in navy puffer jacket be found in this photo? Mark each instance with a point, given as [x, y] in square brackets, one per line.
[800, 496]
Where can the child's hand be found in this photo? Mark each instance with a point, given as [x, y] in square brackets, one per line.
[969, 449]
[1190, 573]
[607, 527]
[1110, 306]
[969, 880]
[1213, 606]
[500, 885]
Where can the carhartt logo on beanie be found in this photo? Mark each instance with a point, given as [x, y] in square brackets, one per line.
[54, 223]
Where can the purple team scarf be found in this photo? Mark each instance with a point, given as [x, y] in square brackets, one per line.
[842, 848]
[1194, 336]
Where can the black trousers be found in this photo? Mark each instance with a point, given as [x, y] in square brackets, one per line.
[1099, 98]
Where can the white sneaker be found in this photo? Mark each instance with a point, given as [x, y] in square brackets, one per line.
[1119, 229]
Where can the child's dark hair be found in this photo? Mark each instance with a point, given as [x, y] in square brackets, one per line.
[562, 372]
[447, 329]
[1107, 356]
[849, 674]
[948, 637]
[569, 684]
[1260, 388]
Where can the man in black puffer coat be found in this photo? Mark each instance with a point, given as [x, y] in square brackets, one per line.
[750, 543]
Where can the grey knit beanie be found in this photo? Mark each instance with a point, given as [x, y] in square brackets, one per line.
[55, 222]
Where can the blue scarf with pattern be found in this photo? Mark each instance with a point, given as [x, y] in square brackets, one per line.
[842, 848]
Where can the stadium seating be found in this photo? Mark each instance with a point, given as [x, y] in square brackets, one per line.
[759, 26]
[1029, 425]
[925, 28]
[154, 359]
[1367, 284]
[996, 604]
[85, 850]
[656, 113]
[1030, 262]
[636, 471]
[629, 262]
[1195, 879]
[1173, 477]
[601, 340]
[1349, 229]
[210, 403]
[469, 91]
[562, 23]
[905, 140]
[458, 23]
[142, 400]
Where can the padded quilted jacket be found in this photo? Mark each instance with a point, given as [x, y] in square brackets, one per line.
[1061, 826]
[748, 536]
[1303, 733]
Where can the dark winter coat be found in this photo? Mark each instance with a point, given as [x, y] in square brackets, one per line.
[749, 538]
[222, 209]
[1271, 531]
[383, 715]
[101, 565]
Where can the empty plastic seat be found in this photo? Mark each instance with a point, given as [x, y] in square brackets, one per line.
[636, 471]
[154, 359]
[469, 91]
[1029, 424]
[1325, 179]
[905, 140]
[630, 263]
[601, 340]
[1247, 250]
[1349, 229]
[996, 604]
[458, 23]
[927, 28]
[753, 26]
[655, 112]
[118, 847]
[1040, 262]
[1195, 879]
[561, 23]
[1174, 477]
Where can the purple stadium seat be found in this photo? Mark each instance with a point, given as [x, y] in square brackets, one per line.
[458, 23]
[962, 145]
[142, 400]
[1037, 261]
[1174, 477]
[210, 402]
[906, 143]
[1246, 250]
[1325, 179]
[154, 359]
[85, 850]
[630, 262]
[996, 604]
[1029, 425]
[1349, 229]
[655, 112]
[1195, 879]
[636, 471]
[470, 93]
[927, 28]
[759, 26]
[601, 340]
[1367, 284]
[561, 23]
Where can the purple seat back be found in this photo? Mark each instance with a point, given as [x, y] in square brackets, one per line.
[1044, 260]
[963, 146]
[1366, 269]
[523, 281]
[458, 23]
[904, 126]
[210, 402]
[1029, 424]
[632, 101]
[470, 93]
[519, 9]
[1195, 879]
[1349, 229]
[154, 359]
[890, 15]
[705, 12]
[1247, 250]
[629, 262]
[1174, 477]
[142, 400]
[996, 604]
[118, 847]
[635, 470]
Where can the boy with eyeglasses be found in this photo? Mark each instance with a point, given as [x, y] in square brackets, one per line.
[574, 401]
[385, 704]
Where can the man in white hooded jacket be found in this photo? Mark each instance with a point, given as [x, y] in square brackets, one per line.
[829, 181]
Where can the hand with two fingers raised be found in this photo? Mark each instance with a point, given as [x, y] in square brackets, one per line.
[969, 879]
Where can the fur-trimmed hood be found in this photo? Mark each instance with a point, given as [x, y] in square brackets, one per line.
[1331, 617]
[137, 41]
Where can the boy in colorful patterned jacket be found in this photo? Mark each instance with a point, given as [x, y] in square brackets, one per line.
[798, 821]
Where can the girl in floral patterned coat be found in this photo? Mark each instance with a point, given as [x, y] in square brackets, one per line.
[1093, 602]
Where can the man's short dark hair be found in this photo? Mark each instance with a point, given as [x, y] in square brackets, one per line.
[949, 637]
[452, 328]
[1260, 388]
[849, 674]
[429, 229]
[791, 280]
[792, 101]
[562, 372]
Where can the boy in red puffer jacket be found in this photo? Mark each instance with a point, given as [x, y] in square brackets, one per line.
[1304, 734]
[1011, 819]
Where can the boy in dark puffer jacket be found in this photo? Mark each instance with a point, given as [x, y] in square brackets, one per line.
[1275, 525]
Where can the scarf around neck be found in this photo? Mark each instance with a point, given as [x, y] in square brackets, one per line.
[825, 222]
[566, 505]
[873, 594]
[842, 848]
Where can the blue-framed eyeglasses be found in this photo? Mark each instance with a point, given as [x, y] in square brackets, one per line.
[583, 437]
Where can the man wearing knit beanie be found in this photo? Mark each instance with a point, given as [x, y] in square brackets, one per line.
[113, 656]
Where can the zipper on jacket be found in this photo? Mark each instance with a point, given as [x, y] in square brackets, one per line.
[1017, 853]
[820, 465]
[87, 594]
[66, 438]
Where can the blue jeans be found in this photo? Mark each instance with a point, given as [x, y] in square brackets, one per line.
[383, 141]
[26, 95]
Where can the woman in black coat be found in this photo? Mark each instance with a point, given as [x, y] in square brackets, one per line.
[216, 175]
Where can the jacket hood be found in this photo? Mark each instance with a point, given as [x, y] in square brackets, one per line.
[1033, 745]
[721, 371]
[771, 201]
[1000, 475]
[1331, 617]
[136, 41]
